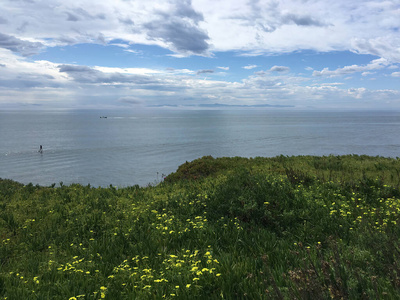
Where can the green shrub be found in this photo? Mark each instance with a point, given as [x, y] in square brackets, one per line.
[197, 169]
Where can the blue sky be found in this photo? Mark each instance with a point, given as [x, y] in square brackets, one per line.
[300, 54]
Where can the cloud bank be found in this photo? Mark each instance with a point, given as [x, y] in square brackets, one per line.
[204, 29]
[200, 27]
[374, 65]
[17, 45]
[79, 86]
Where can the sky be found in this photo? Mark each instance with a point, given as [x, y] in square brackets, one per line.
[200, 54]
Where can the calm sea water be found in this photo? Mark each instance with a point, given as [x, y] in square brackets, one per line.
[130, 148]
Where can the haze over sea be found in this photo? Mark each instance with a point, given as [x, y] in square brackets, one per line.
[129, 148]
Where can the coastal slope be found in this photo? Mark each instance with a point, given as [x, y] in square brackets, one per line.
[302, 227]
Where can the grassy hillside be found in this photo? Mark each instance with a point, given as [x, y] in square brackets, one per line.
[230, 228]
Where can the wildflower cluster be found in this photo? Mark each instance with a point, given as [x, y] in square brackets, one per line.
[184, 272]
[358, 209]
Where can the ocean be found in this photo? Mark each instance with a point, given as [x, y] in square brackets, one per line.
[129, 148]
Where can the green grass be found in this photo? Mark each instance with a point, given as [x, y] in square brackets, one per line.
[229, 228]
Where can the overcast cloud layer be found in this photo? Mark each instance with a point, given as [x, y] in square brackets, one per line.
[196, 32]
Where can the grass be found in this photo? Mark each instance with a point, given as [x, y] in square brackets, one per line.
[229, 228]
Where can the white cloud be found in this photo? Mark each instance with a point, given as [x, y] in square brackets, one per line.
[328, 84]
[133, 51]
[279, 69]
[46, 83]
[137, 71]
[284, 26]
[384, 46]
[170, 24]
[367, 73]
[373, 65]
[249, 67]
[125, 46]
[193, 27]
[197, 27]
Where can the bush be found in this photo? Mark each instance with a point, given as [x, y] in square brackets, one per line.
[197, 169]
[254, 198]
